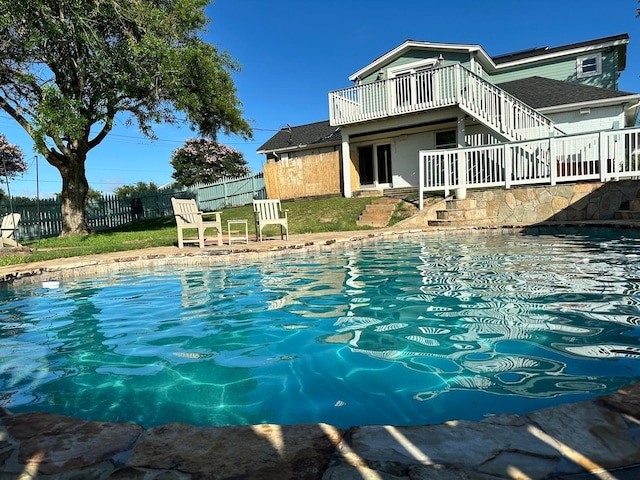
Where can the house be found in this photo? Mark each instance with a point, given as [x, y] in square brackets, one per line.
[439, 116]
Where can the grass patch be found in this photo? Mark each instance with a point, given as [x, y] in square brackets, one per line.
[402, 212]
[308, 216]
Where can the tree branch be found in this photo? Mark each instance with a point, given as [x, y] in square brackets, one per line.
[7, 107]
[102, 133]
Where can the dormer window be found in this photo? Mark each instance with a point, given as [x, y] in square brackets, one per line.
[589, 65]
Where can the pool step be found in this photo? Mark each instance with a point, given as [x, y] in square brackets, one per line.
[630, 211]
[378, 213]
[461, 212]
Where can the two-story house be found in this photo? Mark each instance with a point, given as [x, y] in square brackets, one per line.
[441, 116]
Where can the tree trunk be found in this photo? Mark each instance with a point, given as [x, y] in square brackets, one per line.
[75, 189]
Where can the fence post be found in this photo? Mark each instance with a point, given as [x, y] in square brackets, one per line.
[461, 190]
[553, 161]
[603, 154]
[447, 172]
[508, 166]
[421, 161]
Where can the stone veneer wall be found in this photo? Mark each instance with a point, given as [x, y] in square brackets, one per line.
[565, 202]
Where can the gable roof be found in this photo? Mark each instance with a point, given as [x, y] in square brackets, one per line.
[500, 61]
[614, 40]
[411, 45]
[291, 138]
[540, 92]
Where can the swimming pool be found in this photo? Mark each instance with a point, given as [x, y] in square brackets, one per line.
[407, 332]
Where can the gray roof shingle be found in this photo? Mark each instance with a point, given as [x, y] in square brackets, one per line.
[318, 133]
[540, 92]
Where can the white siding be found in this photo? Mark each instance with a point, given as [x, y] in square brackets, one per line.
[601, 118]
[405, 158]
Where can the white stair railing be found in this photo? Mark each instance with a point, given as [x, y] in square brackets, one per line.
[501, 111]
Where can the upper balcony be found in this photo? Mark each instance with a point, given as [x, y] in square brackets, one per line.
[439, 88]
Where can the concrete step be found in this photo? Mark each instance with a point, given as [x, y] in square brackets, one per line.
[471, 214]
[469, 222]
[381, 207]
[377, 219]
[627, 215]
[378, 213]
[368, 193]
[385, 201]
[464, 204]
[461, 212]
[402, 192]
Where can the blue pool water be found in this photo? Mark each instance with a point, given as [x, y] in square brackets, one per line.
[401, 332]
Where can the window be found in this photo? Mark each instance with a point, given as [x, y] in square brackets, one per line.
[383, 155]
[589, 66]
[365, 165]
[446, 139]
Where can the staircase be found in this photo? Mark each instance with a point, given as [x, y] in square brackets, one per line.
[630, 211]
[461, 213]
[501, 111]
[378, 213]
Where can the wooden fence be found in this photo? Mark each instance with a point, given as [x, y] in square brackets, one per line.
[43, 218]
[308, 176]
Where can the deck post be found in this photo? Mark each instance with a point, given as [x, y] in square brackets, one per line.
[422, 179]
[461, 190]
[603, 155]
[346, 166]
[553, 162]
[508, 166]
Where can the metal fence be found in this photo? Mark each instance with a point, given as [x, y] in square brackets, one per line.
[43, 218]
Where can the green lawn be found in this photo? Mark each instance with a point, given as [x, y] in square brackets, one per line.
[309, 216]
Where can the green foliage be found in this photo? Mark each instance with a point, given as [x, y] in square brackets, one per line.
[138, 188]
[68, 68]
[205, 161]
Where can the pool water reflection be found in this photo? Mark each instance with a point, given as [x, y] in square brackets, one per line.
[400, 332]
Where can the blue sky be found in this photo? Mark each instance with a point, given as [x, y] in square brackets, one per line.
[293, 52]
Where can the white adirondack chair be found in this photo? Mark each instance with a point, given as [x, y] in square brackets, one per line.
[269, 212]
[8, 229]
[188, 217]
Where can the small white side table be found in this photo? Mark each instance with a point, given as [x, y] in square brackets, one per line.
[238, 237]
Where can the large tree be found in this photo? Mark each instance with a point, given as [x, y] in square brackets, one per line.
[68, 67]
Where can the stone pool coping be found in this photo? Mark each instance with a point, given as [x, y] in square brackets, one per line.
[599, 438]
[593, 439]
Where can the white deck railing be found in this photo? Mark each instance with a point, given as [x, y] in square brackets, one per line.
[438, 88]
[603, 156]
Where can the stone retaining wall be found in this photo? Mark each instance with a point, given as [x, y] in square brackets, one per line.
[566, 202]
